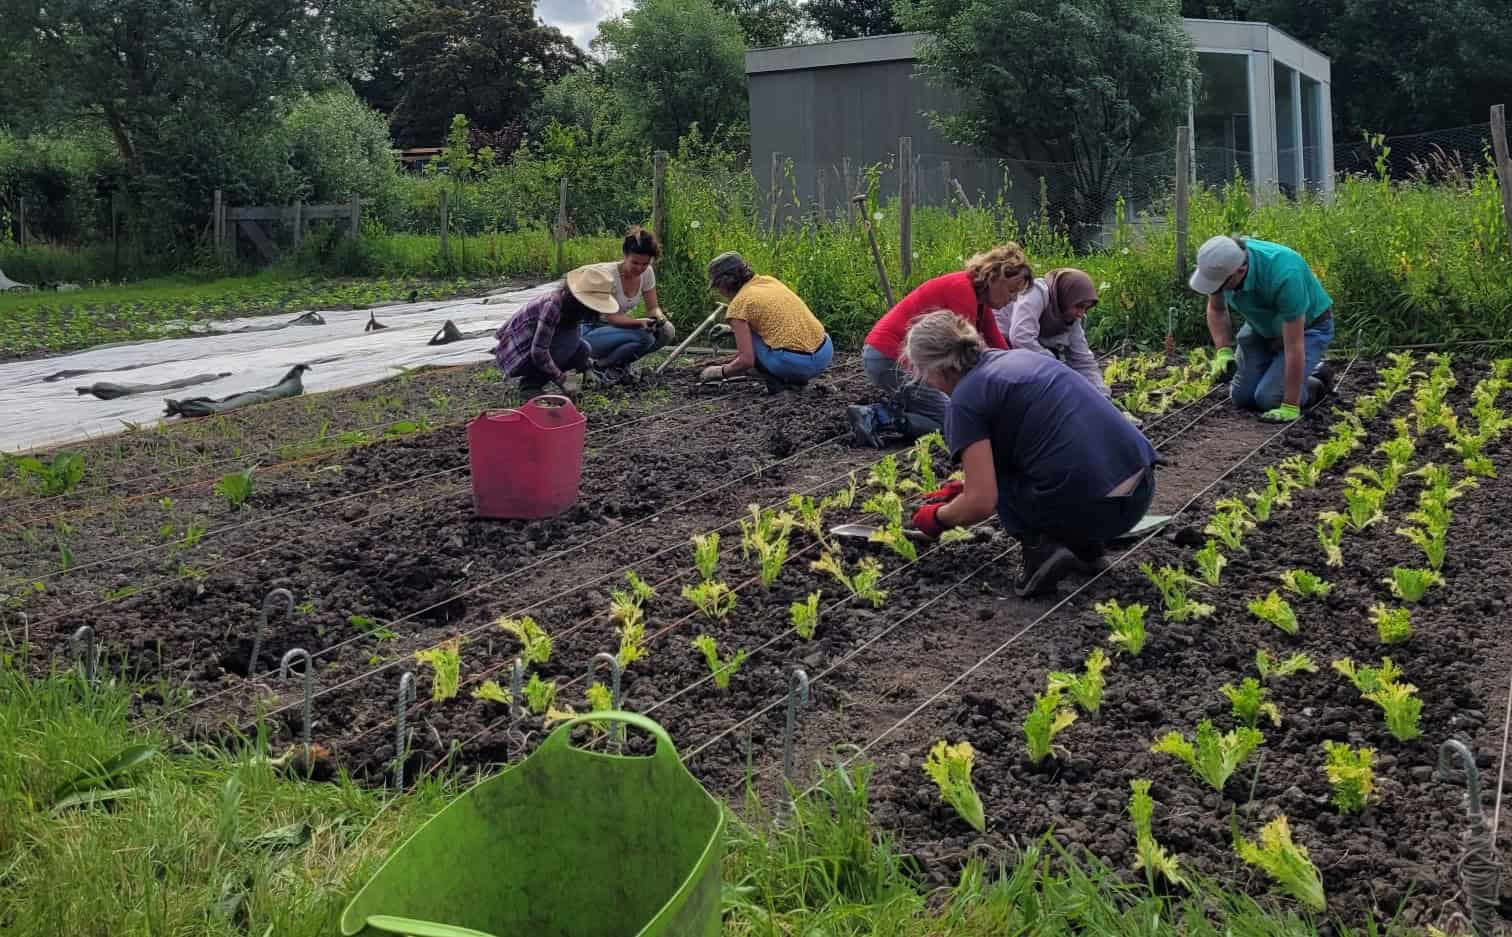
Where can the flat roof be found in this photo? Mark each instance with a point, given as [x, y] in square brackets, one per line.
[1207, 36]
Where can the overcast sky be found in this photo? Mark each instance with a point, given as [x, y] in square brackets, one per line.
[579, 19]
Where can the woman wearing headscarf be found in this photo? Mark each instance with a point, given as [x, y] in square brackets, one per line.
[617, 339]
[1047, 317]
[543, 340]
[990, 281]
[1062, 468]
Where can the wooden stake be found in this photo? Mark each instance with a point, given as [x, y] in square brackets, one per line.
[561, 229]
[905, 207]
[115, 234]
[298, 223]
[676, 352]
[961, 193]
[1503, 163]
[1183, 180]
[356, 218]
[445, 230]
[21, 240]
[858, 202]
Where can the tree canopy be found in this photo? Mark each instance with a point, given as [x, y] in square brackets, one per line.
[848, 19]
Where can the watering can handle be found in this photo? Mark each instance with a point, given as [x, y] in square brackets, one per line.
[391, 924]
[664, 747]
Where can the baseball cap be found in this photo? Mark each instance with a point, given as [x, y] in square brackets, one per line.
[726, 263]
[593, 285]
[1217, 259]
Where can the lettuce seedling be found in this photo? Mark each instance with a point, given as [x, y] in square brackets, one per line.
[884, 474]
[805, 616]
[862, 583]
[810, 517]
[599, 698]
[491, 692]
[949, 766]
[1396, 377]
[1215, 756]
[1046, 719]
[923, 456]
[540, 694]
[1402, 708]
[706, 554]
[1431, 540]
[1127, 625]
[1086, 689]
[1210, 562]
[1468, 447]
[722, 669]
[1285, 862]
[1305, 584]
[1230, 527]
[957, 535]
[845, 498]
[1394, 625]
[1363, 504]
[535, 643]
[715, 599]
[639, 588]
[1300, 472]
[1331, 536]
[1272, 667]
[886, 505]
[896, 539]
[1149, 854]
[445, 661]
[1350, 774]
[1248, 702]
[236, 488]
[1365, 678]
[1410, 585]
[1275, 610]
[632, 641]
[1173, 584]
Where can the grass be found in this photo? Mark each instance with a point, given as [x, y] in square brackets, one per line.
[212, 843]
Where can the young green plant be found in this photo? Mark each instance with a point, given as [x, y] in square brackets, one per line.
[1085, 688]
[1331, 536]
[949, 766]
[535, 643]
[1305, 584]
[1350, 774]
[1174, 585]
[445, 661]
[805, 616]
[1285, 862]
[1393, 625]
[1277, 668]
[1210, 562]
[1213, 756]
[1275, 610]
[721, 669]
[1126, 624]
[1149, 854]
[1411, 585]
[712, 597]
[1249, 704]
[1047, 718]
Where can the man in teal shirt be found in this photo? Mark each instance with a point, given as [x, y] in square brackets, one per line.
[1288, 324]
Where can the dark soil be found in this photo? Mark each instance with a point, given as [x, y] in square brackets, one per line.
[383, 537]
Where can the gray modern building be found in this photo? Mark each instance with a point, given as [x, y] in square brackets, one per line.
[822, 112]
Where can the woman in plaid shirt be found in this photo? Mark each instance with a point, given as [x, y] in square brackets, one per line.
[543, 341]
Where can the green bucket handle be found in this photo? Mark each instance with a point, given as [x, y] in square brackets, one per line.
[561, 737]
[411, 927]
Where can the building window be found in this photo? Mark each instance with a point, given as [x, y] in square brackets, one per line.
[1312, 133]
[1287, 124]
[1221, 118]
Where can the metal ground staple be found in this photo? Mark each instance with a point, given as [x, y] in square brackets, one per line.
[294, 654]
[798, 695]
[1479, 867]
[277, 595]
[401, 733]
[89, 659]
[516, 707]
[615, 673]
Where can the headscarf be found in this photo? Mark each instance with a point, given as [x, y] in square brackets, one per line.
[1066, 287]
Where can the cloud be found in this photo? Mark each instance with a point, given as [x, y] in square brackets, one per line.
[579, 19]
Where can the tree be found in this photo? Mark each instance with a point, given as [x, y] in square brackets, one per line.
[488, 59]
[673, 64]
[1085, 83]
[848, 19]
[765, 23]
[1399, 66]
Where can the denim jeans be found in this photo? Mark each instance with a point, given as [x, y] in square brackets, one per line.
[794, 367]
[1259, 381]
[568, 350]
[615, 346]
[1078, 525]
[920, 407]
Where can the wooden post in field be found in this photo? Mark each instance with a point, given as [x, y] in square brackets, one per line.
[859, 200]
[298, 223]
[961, 193]
[218, 225]
[445, 231]
[905, 207]
[1503, 163]
[561, 228]
[356, 217]
[945, 176]
[659, 196]
[845, 175]
[21, 229]
[1183, 181]
[115, 235]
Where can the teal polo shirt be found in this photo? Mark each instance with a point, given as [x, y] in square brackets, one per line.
[1279, 287]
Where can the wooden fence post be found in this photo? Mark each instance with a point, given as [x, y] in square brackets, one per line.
[1503, 163]
[217, 223]
[1183, 180]
[905, 207]
[561, 229]
[21, 229]
[659, 196]
[445, 230]
[961, 193]
[356, 217]
[298, 223]
[115, 235]
[945, 176]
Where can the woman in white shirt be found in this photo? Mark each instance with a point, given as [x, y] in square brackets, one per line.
[1046, 318]
[619, 338]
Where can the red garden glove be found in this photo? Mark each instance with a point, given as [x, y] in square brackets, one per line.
[945, 493]
[927, 520]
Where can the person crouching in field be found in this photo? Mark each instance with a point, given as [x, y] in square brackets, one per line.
[990, 281]
[776, 334]
[1061, 466]
[543, 340]
[1047, 318]
[617, 339]
[1278, 367]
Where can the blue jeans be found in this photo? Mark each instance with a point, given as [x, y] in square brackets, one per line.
[615, 346]
[568, 351]
[1260, 375]
[915, 409]
[794, 367]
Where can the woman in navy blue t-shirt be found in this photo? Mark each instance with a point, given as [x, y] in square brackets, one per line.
[1062, 467]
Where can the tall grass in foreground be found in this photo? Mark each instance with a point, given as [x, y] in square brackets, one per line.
[201, 841]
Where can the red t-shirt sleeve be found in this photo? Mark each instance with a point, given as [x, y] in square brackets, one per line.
[953, 291]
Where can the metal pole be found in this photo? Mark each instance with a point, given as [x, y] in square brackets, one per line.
[1503, 163]
[713, 317]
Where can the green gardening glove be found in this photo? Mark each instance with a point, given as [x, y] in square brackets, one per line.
[1286, 413]
[1223, 365]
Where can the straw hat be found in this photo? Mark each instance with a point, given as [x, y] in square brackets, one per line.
[593, 286]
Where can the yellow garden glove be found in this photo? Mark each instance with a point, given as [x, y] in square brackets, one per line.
[1286, 413]
[1223, 365]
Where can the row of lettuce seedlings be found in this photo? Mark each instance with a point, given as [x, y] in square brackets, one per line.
[1214, 756]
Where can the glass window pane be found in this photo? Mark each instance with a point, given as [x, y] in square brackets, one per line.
[1286, 131]
[1312, 133]
[1221, 118]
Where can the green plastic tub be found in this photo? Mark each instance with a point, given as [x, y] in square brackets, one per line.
[568, 843]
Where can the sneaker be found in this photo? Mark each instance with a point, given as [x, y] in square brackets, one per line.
[1319, 384]
[1092, 558]
[863, 424]
[1044, 567]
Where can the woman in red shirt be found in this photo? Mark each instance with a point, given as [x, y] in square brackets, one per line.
[990, 281]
